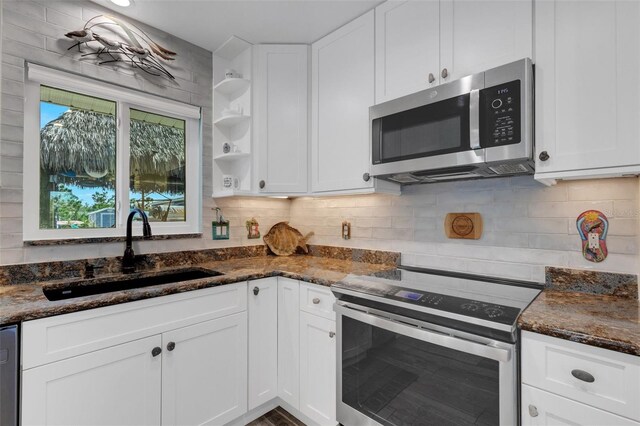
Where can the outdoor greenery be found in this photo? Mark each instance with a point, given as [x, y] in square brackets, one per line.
[68, 207]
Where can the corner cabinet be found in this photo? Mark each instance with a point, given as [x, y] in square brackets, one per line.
[342, 90]
[281, 100]
[587, 88]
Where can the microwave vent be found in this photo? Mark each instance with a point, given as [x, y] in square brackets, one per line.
[509, 169]
[405, 178]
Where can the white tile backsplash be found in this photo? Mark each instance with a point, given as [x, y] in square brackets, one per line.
[526, 225]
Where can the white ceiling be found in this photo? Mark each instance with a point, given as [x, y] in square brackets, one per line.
[208, 23]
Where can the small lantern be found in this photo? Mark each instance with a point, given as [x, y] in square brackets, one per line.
[220, 227]
[253, 230]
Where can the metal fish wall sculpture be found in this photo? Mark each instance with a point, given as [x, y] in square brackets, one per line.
[136, 49]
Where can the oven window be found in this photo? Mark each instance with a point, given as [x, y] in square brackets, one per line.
[398, 380]
[429, 130]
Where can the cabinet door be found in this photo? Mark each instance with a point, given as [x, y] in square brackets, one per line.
[204, 377]
[263, 340]
[479, 35]
[587, 85]
[289, 341]
[342, 92]
[318, 368]
[407, 47]
[540, 408]
[281, 99]
[119, 385]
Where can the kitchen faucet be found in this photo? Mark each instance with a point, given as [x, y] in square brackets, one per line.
[128, 260]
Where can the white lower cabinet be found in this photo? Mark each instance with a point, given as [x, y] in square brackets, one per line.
[318, 368]
[570, 383]
[540, 408]
[120, 385]
[262, 305]
[185, 372]
[289, 341]
[204, 372]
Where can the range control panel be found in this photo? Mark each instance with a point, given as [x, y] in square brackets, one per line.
[500, 121]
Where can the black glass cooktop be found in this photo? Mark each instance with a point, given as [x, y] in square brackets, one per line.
[442, 302]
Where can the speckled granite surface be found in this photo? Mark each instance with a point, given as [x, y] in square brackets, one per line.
[25, 301]
[593, 282]
[608, 322]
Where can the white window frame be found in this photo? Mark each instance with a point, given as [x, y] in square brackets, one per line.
[125, 100]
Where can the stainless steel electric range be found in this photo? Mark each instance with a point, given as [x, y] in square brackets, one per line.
[429, 348]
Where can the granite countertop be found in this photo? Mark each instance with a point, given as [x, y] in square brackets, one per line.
[21, 302]
[592, 318]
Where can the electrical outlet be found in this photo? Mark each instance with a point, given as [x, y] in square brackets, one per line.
[346, 230]
[594, 240]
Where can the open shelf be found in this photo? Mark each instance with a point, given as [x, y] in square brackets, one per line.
[229, 86]
[231, 120]
[232, 156]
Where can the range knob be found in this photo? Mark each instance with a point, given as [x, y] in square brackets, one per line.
[493, 312]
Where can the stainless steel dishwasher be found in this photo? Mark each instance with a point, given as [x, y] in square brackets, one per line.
[9, 375]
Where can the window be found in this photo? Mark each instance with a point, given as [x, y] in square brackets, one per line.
[100, 148]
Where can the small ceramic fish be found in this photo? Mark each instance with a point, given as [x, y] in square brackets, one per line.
[284, 240]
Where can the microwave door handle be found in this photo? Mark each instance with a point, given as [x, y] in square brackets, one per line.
[474, 119]
[485, 351]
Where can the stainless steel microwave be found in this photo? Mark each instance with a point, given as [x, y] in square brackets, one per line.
[478, 126]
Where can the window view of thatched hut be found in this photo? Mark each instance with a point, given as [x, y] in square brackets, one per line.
[79, 149]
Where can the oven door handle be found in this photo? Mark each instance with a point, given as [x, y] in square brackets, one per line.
[463, 345]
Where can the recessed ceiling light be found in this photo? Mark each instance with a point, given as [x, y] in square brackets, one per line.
[122, 3]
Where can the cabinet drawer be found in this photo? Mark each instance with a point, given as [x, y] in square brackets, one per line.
[317, 300]
[540, 408]
[52, 339]
[552, 364]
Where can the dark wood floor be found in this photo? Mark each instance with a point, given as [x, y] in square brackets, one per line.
[277, 417]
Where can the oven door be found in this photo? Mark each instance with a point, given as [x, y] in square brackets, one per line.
[403, 373]
[432, 129]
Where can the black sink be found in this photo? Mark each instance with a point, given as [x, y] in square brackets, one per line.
[99, 286]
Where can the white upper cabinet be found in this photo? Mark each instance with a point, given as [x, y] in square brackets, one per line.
[407, 48]
[420, 44]
[281, 87]
[587, 88]
[342, 92]
[479, 35]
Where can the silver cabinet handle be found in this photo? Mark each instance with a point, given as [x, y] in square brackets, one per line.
[331, 334]
[256, 290]
[316, 300]
[431, 78]
[444, 73]
[262, 184]
[533, 411]
[583, 375]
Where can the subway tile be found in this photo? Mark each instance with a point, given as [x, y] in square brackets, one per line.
[12, 102]
[610, 189]
[25, 36]
[25, 8]
[569, 209]
[11, 256]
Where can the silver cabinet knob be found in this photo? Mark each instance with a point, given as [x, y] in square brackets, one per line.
[431, 78]
[533, 411]
[331, 334]
[156, 351]
[444, 73]
[262, 184]
[316, 300]
[256, 290]
[583, 375]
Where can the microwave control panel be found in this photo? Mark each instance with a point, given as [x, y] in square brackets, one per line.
[500, 109]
